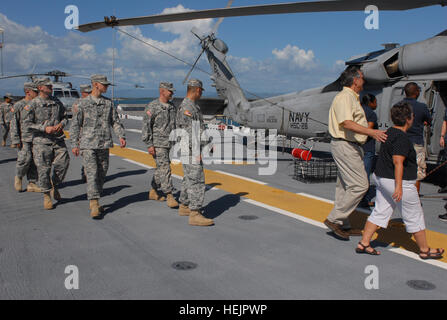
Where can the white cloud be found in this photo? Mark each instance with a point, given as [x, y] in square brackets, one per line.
[26, 46]
[339, 66]
[288, 69]
[296, 57]
[185, 46]
[204, 26]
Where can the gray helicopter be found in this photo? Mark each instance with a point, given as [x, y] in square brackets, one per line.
[64, 91]
[305, 114]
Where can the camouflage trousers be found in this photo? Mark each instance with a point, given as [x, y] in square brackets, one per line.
[96, 164]
[5, 131]
[47, 156]
[193, 186]
[161, 179]
[25, 164]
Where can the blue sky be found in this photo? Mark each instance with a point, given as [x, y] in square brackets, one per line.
[269, 54]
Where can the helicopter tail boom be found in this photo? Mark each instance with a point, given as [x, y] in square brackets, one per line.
[226, 85]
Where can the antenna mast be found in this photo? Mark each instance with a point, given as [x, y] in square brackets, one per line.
[2, 31]
[113, 66]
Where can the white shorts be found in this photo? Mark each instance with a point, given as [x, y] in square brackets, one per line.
[410, 205]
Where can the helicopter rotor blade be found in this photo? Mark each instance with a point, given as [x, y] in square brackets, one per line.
[193, 66]
[23, 75]
[194, 31]
[216, 26]
[293, 7]
[34, 68]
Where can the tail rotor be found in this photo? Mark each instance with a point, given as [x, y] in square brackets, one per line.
[198, 58]
[205, 41]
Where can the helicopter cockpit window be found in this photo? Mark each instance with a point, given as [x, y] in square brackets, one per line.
[67, 93]
[368, 57]
[74, 94]
[58, 93]
[392, 66]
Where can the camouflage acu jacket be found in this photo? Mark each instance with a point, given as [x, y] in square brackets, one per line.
[6, 113]
[91, 126]
[158, 122]
[75, 106]
[41, 113]
[19, 131]
[189, 113]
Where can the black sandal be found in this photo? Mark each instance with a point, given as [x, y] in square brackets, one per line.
[363, 250]
[432, 255]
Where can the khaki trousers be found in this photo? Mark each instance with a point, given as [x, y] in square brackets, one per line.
[352, 181]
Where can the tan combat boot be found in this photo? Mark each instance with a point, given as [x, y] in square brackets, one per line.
[32, 187]
[196, 219]
[18, 184]
[47, 204]
[183, 210]
[3, 143]
[94, 209]
[55, 194]
[153, 195]
[170, 201]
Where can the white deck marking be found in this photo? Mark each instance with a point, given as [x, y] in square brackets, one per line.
[363, 210]
[134, 130]
[415, 256]
[240, 177]
[287, 213]
[315, 197]
[139, 164]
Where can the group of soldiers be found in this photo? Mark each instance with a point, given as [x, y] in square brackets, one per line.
[36, 125]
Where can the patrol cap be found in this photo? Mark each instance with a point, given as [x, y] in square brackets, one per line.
[86, 88]
[44, 82]
[7, 95]
[101, 79]
[167, 85]
[195, 83]
[30, 86]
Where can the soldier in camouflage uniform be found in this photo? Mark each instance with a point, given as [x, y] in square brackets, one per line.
[91, 136]
[86, 89]
[158, 122]
[22, 137]
[193, 185]
[46, 118]
[6, 115]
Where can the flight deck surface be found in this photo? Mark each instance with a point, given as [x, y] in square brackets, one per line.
[268, 241]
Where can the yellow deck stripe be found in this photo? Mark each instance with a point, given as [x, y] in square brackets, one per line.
[317, 210]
